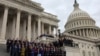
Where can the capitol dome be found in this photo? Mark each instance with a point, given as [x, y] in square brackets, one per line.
[77, 12]
[80, 23]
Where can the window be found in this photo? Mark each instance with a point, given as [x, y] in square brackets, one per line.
[82, 45]
[74, 23]
[88, 46]
[84, 22]
[77, 23]
[91, 47]
[80, 22]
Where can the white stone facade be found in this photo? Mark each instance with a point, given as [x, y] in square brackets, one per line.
[24, 19]
[82, 29]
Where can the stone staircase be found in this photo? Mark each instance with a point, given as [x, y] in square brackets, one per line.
[3, 50]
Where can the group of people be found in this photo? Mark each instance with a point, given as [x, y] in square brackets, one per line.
[25, 48]
[64, 42]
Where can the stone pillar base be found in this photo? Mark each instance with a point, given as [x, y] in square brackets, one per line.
[2, 41]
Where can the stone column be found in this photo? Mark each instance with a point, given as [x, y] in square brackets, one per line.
[93, 33]
[83, 32]
[81, 22]
[18, 24]
[49, 29]
[42, 28]
[76, 32]
[80, 32]
[52, 32]
[34, 30]
[39, 27]
[96, 33]
[29, 28]
[99, 33]
[24, 30]
[56, 30]
[90, 31]
[87, 32]
[3, 29]
[13, 28]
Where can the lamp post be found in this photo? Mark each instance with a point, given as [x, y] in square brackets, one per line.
[59, 33]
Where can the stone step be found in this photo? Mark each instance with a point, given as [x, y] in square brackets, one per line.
[3, 50]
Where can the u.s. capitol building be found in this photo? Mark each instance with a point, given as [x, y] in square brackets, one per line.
[82, 29]
[26, 19]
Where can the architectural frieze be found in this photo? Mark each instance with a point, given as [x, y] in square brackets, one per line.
[19, 6]
[84, 27]
[49, 16]
[29, 3]
[80, 37]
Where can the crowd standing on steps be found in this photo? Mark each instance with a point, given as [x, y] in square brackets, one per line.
[25, 48]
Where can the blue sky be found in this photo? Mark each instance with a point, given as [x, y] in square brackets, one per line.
[63, 8]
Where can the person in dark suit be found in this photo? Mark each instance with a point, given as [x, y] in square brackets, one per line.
[27, 48]
[35, 51]
[56, 44]
[8, 45]
[60, 42]
[52, 51]
[65, 42]
[12, 48]
[18, 52]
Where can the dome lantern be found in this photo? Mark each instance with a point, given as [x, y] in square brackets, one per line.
[76, 5]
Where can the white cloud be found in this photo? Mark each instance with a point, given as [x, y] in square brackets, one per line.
[62, 8]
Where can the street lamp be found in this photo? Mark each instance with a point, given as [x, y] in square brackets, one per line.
[59, 33]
